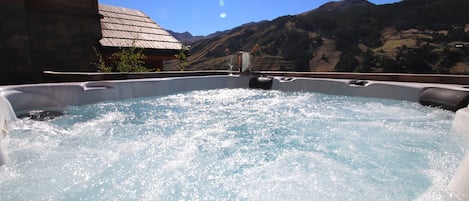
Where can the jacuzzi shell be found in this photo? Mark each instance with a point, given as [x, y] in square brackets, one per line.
[20, 99]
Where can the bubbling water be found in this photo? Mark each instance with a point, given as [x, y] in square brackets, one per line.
[235, 144]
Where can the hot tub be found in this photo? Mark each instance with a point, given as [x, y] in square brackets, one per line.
[24, 100]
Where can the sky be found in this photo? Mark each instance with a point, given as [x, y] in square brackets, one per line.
[203, 17]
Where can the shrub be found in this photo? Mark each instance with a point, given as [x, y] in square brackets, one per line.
[100, 64]
[130, 59]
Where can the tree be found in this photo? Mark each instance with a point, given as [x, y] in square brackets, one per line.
[390, 65]
[413, 60]
[448, 58]
[182, 57]
[347, 63]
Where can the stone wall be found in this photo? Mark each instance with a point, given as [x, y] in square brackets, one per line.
[38, 35]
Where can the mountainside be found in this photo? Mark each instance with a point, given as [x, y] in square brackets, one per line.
[415, 36]
[337, 6]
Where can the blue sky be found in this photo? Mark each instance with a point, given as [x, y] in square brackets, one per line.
[202, 17]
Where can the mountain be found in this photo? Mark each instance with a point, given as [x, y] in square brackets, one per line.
[186, 37]
[415, 36]
[337, 6]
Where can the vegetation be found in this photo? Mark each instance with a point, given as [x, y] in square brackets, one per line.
[100, 63]
[365, 24]
[347, 63]
[182, 57]
[127, 59]
[130, 59]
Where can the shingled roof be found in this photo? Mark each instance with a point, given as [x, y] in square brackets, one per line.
[123, 26]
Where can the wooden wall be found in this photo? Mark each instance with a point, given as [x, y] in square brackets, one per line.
[38, 35]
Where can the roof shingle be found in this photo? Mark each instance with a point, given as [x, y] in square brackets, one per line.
[123, 26]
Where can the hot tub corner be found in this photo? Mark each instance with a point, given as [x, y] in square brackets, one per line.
[6, 115]
[460, 182]
[460, 121]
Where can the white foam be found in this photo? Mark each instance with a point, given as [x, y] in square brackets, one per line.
[236, 144]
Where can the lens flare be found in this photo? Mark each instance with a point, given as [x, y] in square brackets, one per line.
[222, 3]
[222, 15]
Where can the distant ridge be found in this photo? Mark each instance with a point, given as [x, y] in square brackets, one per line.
[186, 37]
[336, 6]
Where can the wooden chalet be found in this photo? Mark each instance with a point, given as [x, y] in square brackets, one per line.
[124, 27]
